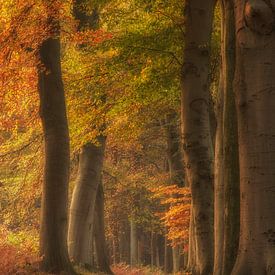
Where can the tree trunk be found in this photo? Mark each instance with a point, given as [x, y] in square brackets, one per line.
[152, 248]
[231, 175]
[191, 245]
[133, 243]
[168, 257]
[176, 259]
[99, 233]
[226, 158]
[198, 151]
[255, 90]
[174, 150]
[53, 235]
[83, 202]
[219, 183]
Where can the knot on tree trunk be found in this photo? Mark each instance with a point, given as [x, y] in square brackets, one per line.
[259, 16]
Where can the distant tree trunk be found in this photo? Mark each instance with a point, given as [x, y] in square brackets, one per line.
[168, 257]
[125, 243]
[83, 202]
[255, 92]
[152, 246]
[176, 259]
[198, 151]
[174, 149]
[133, 243]
[53, 236]
[99, 233]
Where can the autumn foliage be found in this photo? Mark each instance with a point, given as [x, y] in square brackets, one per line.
[176, 217]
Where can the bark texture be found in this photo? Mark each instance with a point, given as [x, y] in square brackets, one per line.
[99, 233]
[83, 202]
[226, 155]
[53, 236]
[255, 91]
[198, 149]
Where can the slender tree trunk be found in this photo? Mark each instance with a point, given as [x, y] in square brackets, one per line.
[174, 149]
[152, 250]
[226, 157]
[99, 233]
[255, 91]
[176, 259]
[168, 257]
[198, 151]
[230, 144]
[133, 243]
[219, 183]
[53, 237]
[83, 202]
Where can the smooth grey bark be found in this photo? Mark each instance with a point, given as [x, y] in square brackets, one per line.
[99, 233]
[53, 234]
[255, 100]
[198, 148]
[83, 202]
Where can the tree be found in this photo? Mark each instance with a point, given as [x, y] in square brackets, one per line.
[226, 153]
[53, 242]
[255, 100]
[82, 211]
[99, 232]
[198, 152]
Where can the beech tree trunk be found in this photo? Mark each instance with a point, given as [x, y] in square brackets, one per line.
[226, 158]
[53, 235]
[255, 90]
[82, 209]
[99, 233]
[198, 151]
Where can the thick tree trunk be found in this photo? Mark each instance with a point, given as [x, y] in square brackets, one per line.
[53, 238]
[99, 233]
[226, 157]
[83, 202]
[198, 151]
[255, 90]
